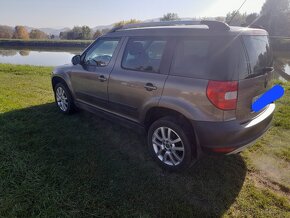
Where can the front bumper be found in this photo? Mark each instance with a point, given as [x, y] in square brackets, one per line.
[232, 137]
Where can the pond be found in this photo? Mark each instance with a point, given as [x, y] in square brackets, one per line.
[42, 57]
[282, 65]
[51, 57]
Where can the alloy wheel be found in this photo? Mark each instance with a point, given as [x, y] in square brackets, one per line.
[168, 146]
[62, 99]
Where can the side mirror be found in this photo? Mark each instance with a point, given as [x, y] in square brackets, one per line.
[76, 59]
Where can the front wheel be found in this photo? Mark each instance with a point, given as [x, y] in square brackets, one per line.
[63, 99]
[170, 145]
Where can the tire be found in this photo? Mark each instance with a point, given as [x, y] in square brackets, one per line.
[173, 153]
[63, 99]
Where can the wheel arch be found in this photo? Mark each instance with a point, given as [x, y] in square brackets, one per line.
[58, 79]
[158, 112]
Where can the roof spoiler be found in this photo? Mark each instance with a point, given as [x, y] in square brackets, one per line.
[212, 25]
[253, 26]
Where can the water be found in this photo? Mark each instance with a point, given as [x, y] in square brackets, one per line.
[287, 68]
[282, 65]
[49, 57]
[43, 57]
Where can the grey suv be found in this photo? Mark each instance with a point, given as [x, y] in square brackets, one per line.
[189, 85]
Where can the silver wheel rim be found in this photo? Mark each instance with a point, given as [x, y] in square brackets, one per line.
[168, 146]
[61, 99]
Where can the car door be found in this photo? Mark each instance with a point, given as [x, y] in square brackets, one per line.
[258, 78]
[139, 75]
[90, 78]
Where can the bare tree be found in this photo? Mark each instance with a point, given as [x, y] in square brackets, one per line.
[170, 17]
[97, 34]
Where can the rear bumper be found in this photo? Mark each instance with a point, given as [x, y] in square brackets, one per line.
[232, 137]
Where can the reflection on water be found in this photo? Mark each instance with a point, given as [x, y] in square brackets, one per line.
[282, 65]
[287, 68]
[60, 56]
[8, 52]
[41, 57]
[24, 53]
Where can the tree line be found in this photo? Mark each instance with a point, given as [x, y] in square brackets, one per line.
[20, 32]
[85, 32]
[82, 33]
[274, 17]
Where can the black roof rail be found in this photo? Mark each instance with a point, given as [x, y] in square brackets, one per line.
[215, 25]
[212, 24]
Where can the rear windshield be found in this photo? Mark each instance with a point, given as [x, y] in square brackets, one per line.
[259, 53]
[209, 57]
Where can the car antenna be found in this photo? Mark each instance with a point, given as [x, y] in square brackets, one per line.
[237, 12]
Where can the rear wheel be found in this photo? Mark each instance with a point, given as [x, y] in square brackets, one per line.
[63, 99]
[170, 145]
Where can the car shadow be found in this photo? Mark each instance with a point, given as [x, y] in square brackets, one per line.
[82, 165]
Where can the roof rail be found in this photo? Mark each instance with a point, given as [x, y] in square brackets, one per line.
[215, 25]
[212, 24]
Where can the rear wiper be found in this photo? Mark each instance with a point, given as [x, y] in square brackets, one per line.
[268, 69]
[260, 72]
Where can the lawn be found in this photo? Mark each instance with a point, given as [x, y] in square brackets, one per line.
[53, 165]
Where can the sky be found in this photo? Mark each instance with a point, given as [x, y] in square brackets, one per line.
[69, 13]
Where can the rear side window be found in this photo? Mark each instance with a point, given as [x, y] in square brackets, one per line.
[144, 54]
[207, 57]
[259, 53]
[191, 57]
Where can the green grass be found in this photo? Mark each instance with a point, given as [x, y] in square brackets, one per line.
[271, 154]
[53, 165]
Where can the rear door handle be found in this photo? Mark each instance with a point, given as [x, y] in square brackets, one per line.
[150, 87]
[102, 78]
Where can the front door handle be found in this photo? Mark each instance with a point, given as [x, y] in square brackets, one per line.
[150, 87]
[102, 78]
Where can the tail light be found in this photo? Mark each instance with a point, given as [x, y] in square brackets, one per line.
[223, 94]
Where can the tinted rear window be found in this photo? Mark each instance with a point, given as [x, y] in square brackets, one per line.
[208, 57]
[144, 54]
[260, 54]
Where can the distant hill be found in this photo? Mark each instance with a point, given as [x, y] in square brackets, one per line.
[56, 31]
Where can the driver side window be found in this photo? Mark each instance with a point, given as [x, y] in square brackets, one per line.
[101, 53]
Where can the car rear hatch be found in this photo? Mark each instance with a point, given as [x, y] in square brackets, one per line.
[256, 80]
